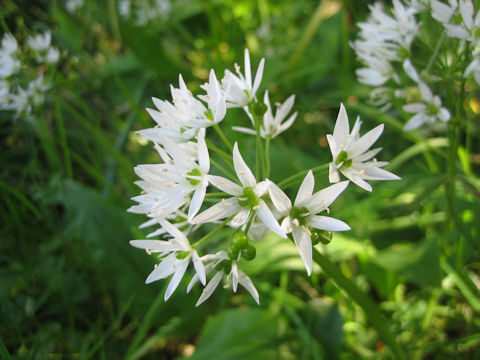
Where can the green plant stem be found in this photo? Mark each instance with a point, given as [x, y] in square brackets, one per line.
[436, 51]
[222, 169]
[63, 139]
[225, 156]
[267, 156]
[211, 233]
[223, 137]
[287, 182]
[216, 194]
[368, 305]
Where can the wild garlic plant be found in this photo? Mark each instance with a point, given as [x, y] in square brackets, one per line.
[423, 57]
[174, 191]
[26, 71]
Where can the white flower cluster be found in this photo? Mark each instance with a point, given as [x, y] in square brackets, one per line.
[21, 85]
[174, 192]
[145, 11]
[384, 48]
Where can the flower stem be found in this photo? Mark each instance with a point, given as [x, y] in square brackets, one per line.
[290, 180]
[436, 51]
[267, 156]
[213, 232]
[223, 137]
[225, 156]
[368, 305]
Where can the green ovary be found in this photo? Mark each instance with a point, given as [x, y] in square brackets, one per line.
[248, 198]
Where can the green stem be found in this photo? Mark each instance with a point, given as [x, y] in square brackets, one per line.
[216, 194]
[222, 169]
[225, 156]
[213, 232]
[63, 139]
[267, 156]
[288, 181]
[222, 136]
[368, 305]
[436, 51]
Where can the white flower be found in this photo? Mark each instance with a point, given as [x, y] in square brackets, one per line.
[227, 267]
[272, 125]
[474, 67]
[175, 255]
[443, 12]
[181, 120]
[350, 155]
[40, 42]
[246, 200]
[124, 8]
[9, 64]
[52, 55]
[9, 44]
[300, 218]
[73, 5]
[469, 28]
[425, 112]
[168, 186]
[239, 90]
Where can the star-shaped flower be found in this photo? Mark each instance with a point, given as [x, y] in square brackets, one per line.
[175, 255]
[239, 90]
[246, 198]
[301, 219]
[224, 266]
[351, 156]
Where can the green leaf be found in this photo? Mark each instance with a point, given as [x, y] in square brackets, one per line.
[417, 262]
[239, 334]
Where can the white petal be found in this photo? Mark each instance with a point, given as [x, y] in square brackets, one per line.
[177, 277]
[358, 181]
[152, 245]
[375, 173]
[245, 281]
[342, 128]
[306, 189]
[266, 215]
[364, 143]
[177, 234]
[333, 175]
[248, 70]
[225, 185]
[414, 107]
[162, 270]
[222, 210]
[203, 157]
[258, 76]
[279, 199]
[244, 130]
[234, 275]
[210, 288]
[244, 173]
[444, 114]
[240, 218]
[323, 198]
[414, 122]
[304, 246]
[199, 268]
[197, 201]
[327, 223]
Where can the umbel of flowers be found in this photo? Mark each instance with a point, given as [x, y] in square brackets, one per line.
[174, 190]
[393, 45]
[26, 71]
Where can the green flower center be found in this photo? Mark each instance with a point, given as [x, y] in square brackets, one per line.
[209, 115]
[248, 198]
[343, 158]
[191, 177]
[403, 53]
[301, 214]
[181, 254]
[432, 110]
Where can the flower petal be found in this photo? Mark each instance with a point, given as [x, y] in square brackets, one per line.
[364, 143]
[244, 173]
[266, 215]
[177, 277]
[327, 223]
[197, 201]
[279, 199]
[245, 281]
[342, 128]
[222, 210]
[210, 288]
[306, 189]
[322, 199]
[304, 246]
[225, 185]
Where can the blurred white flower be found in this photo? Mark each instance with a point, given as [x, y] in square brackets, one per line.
[9, 44]
[272, 125]
[469, 26]
[175, 255]
[52, 55]
[73, 5]
[301, 217]
[428, 111]
[351, 156]
[40, 42]
[239, 90]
